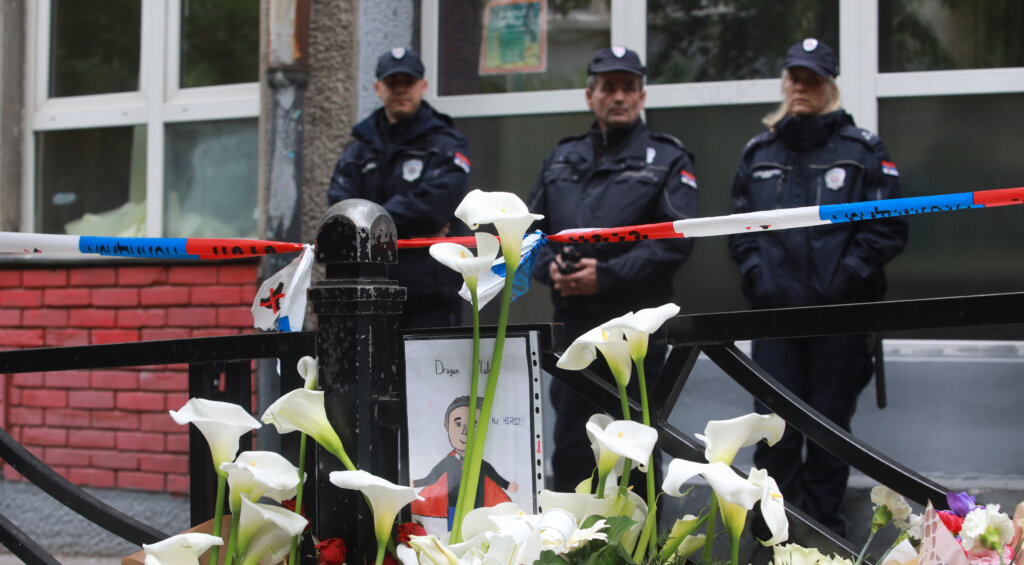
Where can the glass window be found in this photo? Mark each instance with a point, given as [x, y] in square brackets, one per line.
[732, 39]
[94, 46]
[519, 45]
[91, 181]
[219, 42]
[210, 180]
[926, 35]
[950, 144]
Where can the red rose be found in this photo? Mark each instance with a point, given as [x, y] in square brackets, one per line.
[409, 529]
[390, 560]
[952, 522]
[290, 505]
[331, 552]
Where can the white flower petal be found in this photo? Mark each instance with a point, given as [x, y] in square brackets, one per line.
[723, 480]
[385, 497]
[309, 372]
[612, 345]
[624, 438]
[182, 549]
[723, 438]
[303, 411]
[255, 474]
[255, 516]
[773, 509]
[221, 423]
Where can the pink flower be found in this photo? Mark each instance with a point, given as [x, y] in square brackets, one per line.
[989, 557]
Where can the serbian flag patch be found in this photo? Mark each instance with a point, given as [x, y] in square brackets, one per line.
[889, 168]
[687, 178]
[462, 162]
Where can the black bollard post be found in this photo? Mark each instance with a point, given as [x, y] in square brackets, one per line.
[358, 347]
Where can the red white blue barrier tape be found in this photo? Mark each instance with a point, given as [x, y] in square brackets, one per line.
[142, 247]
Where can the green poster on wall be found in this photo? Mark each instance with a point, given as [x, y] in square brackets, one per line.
[514, 37]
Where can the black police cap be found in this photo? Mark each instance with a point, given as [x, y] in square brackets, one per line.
[814, 55]
[616, 58]
[399, 60]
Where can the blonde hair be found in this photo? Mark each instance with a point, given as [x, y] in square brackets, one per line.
[782, 111]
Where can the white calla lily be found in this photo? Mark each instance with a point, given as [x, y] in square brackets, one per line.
[638, 326]
[272, 541]
[254, 517]
[182, 549]
[385, 497]
[309, 372]
[221, 423]
[773, 508]
[428, 550]
[255, 474]
[303, 411]
[507, 212]
[460, 259]
[622, 438]
[723, 438]
[612, 345]
[728, 485]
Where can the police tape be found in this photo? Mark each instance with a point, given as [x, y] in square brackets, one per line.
[141, 247]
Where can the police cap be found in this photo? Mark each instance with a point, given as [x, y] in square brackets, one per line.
[616, 58]
[814, 55]
[399, 60]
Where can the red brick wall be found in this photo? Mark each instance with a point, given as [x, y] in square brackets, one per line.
[110, 428]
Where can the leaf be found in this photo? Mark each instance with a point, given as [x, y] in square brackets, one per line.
[548, 557]
[589, 521]
[617, 527]
[612, 554]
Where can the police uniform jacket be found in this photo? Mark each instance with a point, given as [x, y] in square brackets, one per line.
[417, 170]
[627, 178]
[811, 161]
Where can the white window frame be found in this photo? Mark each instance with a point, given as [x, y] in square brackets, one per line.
[860, 81]
[160, 100]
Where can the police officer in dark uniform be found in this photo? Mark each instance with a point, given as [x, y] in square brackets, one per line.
[409, 158]
[813, 154]
[617, 174]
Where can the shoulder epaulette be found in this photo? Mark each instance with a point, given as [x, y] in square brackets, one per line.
[862, 135]
[668, 138]
[759, 139]
[576, 137]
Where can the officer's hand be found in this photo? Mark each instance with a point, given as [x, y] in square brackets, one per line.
[581, 283]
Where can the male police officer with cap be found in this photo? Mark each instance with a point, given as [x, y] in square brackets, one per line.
[617, 174]
[408, 157]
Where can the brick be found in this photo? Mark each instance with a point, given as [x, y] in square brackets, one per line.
[191, 317]
[141, 276]
[113, 379]
[92, 439]
[21, 338]
[114, 336]
[24, 416]
[117, 420]
[163, 463]
[164, 296]
[139, 441]
[23, 298]
[140, 401]
[163, 380]
[177, 443]
[67, 297]
[97, 399]
[160, 334]
[10, 278]
[139, 318]
[93, 276]
[45, 317]
[66, 337]
[66, 379]
[177, 484]
[140, 481]
[237, 317]
[213, 295]
[115, 460]
[11, 475]
[44, 278]
[213, 332]
[178, 399]
[92, 317]
[119, 297]
[236, 273]
[67, 418]
[157, 422]
[43, 398]
[27, 380]
[44, 436]
[66, 456]
[91, 477]
[192, 274]
[10, 317]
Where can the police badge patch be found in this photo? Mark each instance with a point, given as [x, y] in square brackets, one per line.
[412, 169]
[835, 177]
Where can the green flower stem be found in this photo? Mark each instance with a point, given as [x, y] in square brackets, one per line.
[601, 481]
[460, 504]
[473, 466]
[382, 545]
[218, 512]
[710, 533]
[864, 550]
[229, 556]
[293, 555]
[734, 547]
[627, 466]
[627, 470]
[652, 499]
[647, 539]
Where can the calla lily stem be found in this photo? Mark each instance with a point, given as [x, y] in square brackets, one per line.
[652, 499]
[460, 504]
[218, 513]
[293, 555]
[710, 534]
[229, 555]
